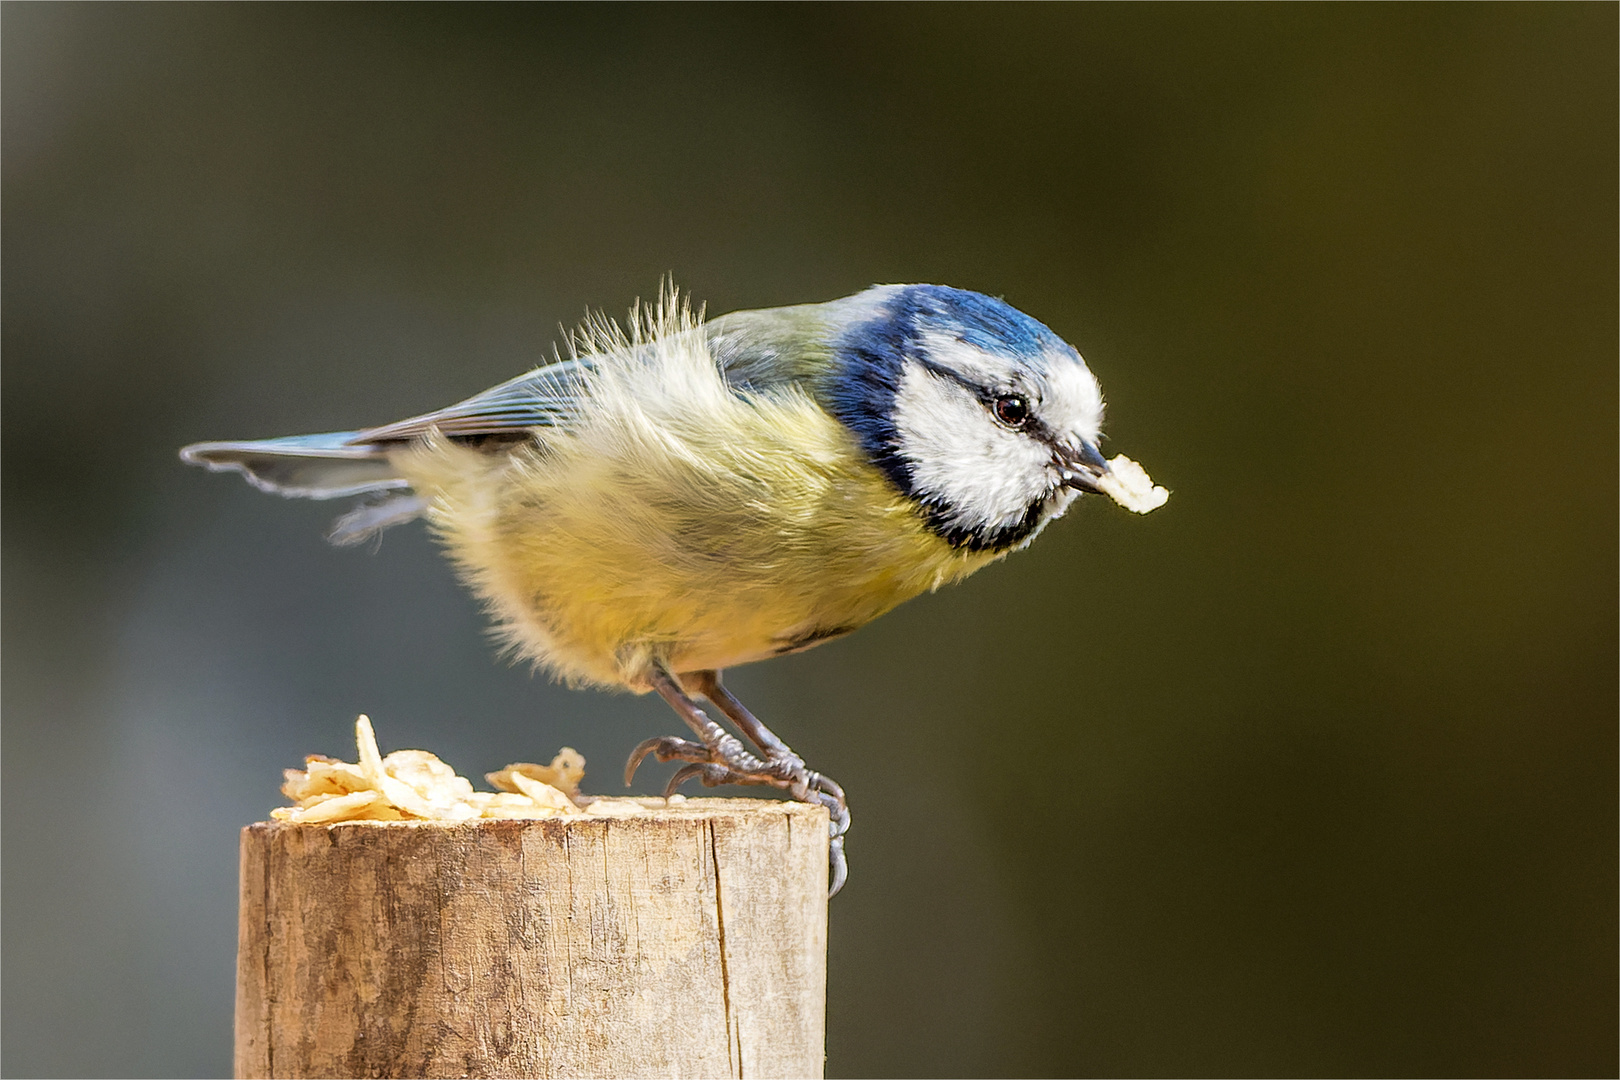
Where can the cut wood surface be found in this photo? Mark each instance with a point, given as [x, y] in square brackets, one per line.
[686, 941]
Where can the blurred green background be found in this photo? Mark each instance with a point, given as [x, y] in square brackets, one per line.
[1311, 772]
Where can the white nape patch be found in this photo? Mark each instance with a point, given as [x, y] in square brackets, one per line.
[982, 475]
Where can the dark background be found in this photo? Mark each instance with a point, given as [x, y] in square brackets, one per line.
[1312, 771]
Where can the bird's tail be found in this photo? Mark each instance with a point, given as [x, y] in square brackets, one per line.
[329, 466]
[326, 466]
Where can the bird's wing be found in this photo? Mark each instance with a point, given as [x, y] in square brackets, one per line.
[543, 397]
[755, 350]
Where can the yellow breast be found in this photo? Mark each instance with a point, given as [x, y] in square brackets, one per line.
[673, 518]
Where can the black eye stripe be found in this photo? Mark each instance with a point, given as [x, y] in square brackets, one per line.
[989, 397]
[1031, 424]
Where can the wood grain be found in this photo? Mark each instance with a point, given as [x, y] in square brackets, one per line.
[690, 941]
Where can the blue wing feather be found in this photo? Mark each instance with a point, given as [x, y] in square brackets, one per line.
[544, 397]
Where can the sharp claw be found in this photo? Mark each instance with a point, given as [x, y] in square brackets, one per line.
[686, 772]
[665, 748]
[682, 774]
[837, 866]
[645, 747]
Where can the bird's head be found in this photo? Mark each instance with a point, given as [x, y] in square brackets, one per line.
[979, 413]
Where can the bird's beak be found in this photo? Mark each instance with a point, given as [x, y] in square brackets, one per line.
[1081, 467]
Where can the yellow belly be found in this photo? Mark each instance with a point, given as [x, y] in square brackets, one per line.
[670, 523]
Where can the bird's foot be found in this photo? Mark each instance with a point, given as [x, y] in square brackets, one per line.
[721, 758]
[729, 763]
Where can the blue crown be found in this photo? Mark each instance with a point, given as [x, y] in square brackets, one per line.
[869, 355]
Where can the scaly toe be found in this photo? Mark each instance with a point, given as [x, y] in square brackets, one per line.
[664, 748]
[711, 775]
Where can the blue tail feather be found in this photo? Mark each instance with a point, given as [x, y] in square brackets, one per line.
[327, 466]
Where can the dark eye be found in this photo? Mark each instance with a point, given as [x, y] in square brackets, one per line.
[1012, 410]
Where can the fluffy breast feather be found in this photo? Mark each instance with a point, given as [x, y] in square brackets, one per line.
[678, 518]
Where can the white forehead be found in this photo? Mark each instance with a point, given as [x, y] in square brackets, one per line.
[1060, 388]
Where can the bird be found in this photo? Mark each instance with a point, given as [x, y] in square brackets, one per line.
[676, 495]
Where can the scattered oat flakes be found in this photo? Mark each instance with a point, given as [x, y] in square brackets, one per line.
[564, 773]
[414, 785]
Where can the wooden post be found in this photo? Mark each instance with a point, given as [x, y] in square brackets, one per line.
[687, 941]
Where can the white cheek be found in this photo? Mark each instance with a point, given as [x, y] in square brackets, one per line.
[982, 473]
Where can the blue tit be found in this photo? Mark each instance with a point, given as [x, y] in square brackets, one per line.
[683, 495]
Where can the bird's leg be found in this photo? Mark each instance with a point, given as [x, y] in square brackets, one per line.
[721, 759]
[801, 783]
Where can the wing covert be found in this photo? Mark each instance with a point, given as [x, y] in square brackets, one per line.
[544, 397]
[755, 350]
